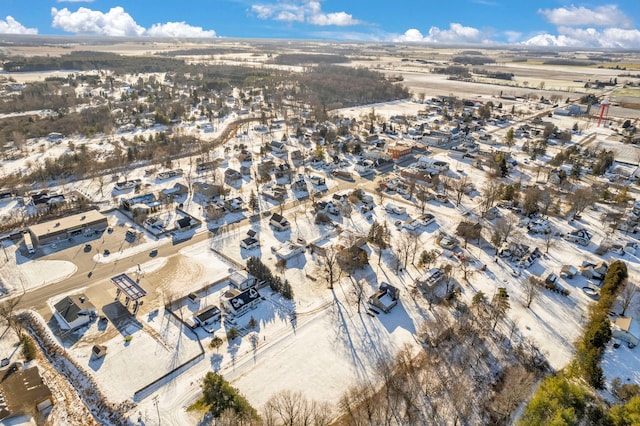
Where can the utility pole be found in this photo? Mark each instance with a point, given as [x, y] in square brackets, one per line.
[155, 402]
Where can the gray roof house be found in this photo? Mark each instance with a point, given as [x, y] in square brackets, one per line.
[74, 311]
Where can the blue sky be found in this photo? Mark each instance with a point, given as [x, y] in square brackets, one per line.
[546, 22]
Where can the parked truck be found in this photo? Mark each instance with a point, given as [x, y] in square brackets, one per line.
[343, 174]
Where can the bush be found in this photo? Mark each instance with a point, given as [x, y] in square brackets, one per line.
[624, 392]
[29, 350]
[232, 333]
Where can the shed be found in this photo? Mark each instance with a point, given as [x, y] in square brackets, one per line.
[99, 351]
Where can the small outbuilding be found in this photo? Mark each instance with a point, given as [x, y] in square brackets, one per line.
[386, 298]
[623, 328]
[98, 351]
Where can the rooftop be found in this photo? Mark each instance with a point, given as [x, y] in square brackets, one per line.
[76, 220]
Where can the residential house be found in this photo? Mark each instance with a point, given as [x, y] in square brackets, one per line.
[279, 222]
[186, 222]
[207, 190]
[242, 280]
[215, 210]
[207, 316]
[296, 157]
[288, 250]
[278, 148]
[245, 170]
[594, 271]
[177, 190]
[625, 329]
[430, 163]
[283, 170]
[249, 243]
[579, 236]
[74, 311]
[300, 185]
[233, 204]
[568, 271]
[236, 302]
[245, 156]
[142, 203]
[232, 176]
[385, 298]
[22, 392]
[430, 279]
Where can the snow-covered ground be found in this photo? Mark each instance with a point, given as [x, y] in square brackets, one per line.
[19, 274]
[327, 345]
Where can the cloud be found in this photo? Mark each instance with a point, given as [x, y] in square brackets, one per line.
[309, 11]
[456, 33]
[601, 16]
[589, 37]
[600, 27]
[178, 29]
[10, 26]
[513, 36]
[118, 23]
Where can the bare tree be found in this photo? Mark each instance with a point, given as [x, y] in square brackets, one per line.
[461, 187]
[531, 290]
[359, 290]
[293, 408]
[403, 248]
[467, 270]
[330, 266]
[503, 229]
[445, 182]
[490, 193]
[581, 199]
[422, 196]
[549, 241]
[7, 313]
[628, 296]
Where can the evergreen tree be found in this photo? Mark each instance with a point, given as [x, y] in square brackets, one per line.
[219, 395]
[499, 305]
[254, 205]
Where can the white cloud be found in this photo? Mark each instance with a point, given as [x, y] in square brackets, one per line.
[262, 11]
[10, 26]
[601, 16]
[456, 33]
[513, 36]
[589, 37]
[178, 29]
[411, 35]
[337, 18]
[303, 11]
[118, 23]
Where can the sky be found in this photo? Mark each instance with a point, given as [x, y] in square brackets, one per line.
[542, 23]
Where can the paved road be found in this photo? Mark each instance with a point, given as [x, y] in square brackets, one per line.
[91, 274]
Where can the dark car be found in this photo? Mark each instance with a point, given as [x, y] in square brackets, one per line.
[87, 248]
[107, 252]
[153, 253]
